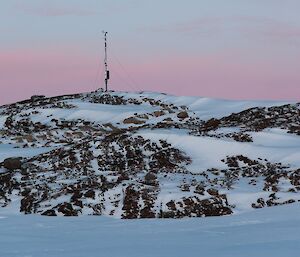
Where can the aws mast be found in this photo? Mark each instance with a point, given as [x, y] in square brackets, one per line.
[106, 78]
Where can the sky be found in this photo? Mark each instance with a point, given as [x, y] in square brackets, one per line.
[233, 49]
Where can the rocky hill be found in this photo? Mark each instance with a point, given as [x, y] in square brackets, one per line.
[147, 155]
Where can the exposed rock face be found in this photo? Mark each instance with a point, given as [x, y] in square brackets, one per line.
[89, 189]
[194, 207]
[258, 119]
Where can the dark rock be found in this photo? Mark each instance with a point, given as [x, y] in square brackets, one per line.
[199, 190]
[240, 137]
[213, 191]
[27, 204]
[67, 209]
[185, 188]
[12, 163]
[36, 97]
[171, 205]
[130, 203]
[158, 113]
[133, 120]
[212, 124]
[168, 119]
[150, 178]
[90, 194]
[147, 213]
[182, 115]
[49, 213]
[167, 214]
[260, 203]
[77, 195]
[9, 122]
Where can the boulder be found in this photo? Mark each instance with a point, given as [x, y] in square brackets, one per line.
[36, 97]
[90, 194]
[12, 163]
[182, 115]
[158, 113]
[150, 178]
[133, 120]
[212, 124]
[213, 192]
[67, 209]
[199, 189]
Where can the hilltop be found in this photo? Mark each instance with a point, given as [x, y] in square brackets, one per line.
[147, 155]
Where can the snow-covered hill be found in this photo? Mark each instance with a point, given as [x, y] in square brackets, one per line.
[146, 155]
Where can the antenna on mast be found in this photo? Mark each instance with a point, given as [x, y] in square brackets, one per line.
[105, 61]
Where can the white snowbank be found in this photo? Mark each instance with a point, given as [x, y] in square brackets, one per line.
[207, 152]
[270, 232]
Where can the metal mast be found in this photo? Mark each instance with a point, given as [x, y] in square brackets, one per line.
[105, 62]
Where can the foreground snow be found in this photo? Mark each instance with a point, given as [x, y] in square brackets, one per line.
[266, 232]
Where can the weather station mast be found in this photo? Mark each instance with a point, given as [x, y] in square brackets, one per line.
[106, 77]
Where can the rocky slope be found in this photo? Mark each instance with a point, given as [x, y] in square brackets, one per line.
[147, 155]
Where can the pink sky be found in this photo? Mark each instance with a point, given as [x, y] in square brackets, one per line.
[60, 71]
[234, 51]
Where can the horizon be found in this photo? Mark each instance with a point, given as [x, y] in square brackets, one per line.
[262, 101]
[249, 52]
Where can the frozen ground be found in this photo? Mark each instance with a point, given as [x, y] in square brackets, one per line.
[261, 233]
[230, 172]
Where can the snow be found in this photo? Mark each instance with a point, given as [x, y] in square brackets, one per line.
[207, 108]
[2, 120]
[100, 113]
[275, 137]
[9, 150]
[266, 232]
[260, 233]
[204, 107]
[207, 152]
